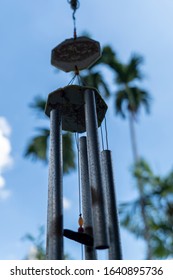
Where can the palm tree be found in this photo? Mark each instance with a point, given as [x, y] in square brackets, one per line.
[128, 100]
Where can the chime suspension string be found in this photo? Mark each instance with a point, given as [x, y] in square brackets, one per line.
[106, 132]
[79, 179]
[79, 80]
[82, 83]
[101, 130]
[76, 75]
[72, 80]
[78, 168]
[79, 185]
[74, 5]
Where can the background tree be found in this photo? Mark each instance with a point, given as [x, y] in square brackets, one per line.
[128, 101]
[158, 200]
[37, 250]
[129, 97]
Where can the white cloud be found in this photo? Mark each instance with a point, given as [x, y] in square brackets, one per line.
[66, 203]
[4, 194]
[5, 145]
[5, 154]
[2, 182]
[4, 126]
[32, 255]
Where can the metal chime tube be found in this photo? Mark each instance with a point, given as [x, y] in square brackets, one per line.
[90, 253]
[99, 215]
[115, 252]
[55, 194]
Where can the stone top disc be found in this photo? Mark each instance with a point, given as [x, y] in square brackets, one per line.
[70, 101]
[72, 54]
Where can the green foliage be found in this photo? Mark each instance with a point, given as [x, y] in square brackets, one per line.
[38, 104]
[131, 100]
[129, 72]
[38, 145]
[96, 80]
[68, 153]
[38, 246]
[108, 58]
[158, 202]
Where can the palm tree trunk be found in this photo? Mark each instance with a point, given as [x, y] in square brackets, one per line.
[133, 138]
[140, 187]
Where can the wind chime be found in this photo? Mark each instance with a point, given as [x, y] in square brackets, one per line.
[79, 109]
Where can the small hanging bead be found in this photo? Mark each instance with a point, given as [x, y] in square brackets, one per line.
[80, 222]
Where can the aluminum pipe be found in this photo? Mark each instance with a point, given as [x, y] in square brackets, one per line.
[90, 252]
[99, 216]
[55, 192]
[115, 252]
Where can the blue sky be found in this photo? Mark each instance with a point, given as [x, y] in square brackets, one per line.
[28, 32]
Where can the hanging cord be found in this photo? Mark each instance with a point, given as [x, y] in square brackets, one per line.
[79, 77]
[102, 138]
[72, 80]
[74, 5]
[76, 75]
[78, 165]
[80, 221]
[80, 80]
[106, 131]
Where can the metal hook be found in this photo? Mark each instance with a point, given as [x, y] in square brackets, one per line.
[74, 4]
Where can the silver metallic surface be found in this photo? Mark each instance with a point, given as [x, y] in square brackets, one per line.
[115, 252]
[55, 193]
[90, 252]
[99, 215]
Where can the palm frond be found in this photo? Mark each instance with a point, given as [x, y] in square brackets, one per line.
[132, 68]
[133, 98]
[68, 153]
[37, 147]
[107, 58]
[38, 104]
[121, 101]
[127, 73]
[96, 80]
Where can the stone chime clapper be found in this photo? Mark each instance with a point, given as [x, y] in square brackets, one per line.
[80, 109]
